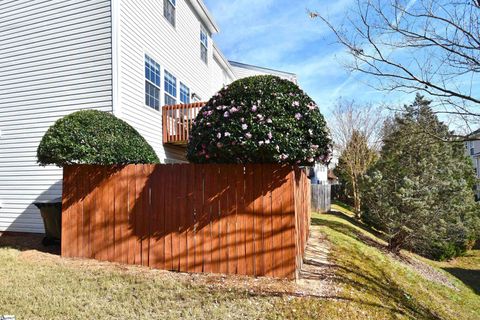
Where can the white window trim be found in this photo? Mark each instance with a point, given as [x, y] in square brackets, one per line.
[165, 91]
[159, 87]
[180, 93]
[174, 26]
[204, 31]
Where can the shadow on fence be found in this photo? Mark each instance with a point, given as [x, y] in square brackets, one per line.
[230, 219]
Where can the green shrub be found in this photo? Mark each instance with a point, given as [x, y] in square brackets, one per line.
[93, 137]
[420, 191]
[261, 119]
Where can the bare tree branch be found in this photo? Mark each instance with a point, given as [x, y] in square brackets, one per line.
[425, 45]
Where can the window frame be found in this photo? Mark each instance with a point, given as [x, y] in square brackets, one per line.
[203, 44]
[172, 18]
[184, 93]
[152, 66]
[167, 93]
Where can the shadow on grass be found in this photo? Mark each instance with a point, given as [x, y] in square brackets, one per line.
[394, 298]
[26, 242]
[470, 278]
[343, 205]
[367, 275]
[352, 231]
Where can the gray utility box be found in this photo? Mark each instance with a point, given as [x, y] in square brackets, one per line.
[51, 211]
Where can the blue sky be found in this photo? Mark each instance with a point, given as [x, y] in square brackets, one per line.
[280, 34]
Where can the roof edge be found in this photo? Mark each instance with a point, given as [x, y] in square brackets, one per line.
[205, 15]
[250, 66]
[475, 133]
[223, 60]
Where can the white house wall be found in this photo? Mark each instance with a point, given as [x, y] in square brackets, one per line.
[219, 76]
[55, 58]
[144, 30]
[244, 70]
[472, 149]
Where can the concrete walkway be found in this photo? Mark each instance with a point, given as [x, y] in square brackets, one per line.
[317, 274]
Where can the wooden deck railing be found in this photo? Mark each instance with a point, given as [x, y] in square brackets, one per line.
[177, 122]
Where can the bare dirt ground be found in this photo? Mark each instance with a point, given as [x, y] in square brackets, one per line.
[317, 275]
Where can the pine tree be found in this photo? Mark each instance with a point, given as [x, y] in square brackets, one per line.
[420, 192]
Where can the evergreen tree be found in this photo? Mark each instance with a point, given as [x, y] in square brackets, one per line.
[420, 192]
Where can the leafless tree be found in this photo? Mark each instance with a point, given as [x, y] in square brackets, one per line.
[417, 45]
[349, 116]
[356, 131]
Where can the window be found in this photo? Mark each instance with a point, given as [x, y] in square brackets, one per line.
[184, 94]
[203, 45]
[152, 83]
[169, 11]
[170, 89]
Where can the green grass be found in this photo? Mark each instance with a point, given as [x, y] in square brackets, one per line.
[466, 268]
[383, 287]
[373, 285]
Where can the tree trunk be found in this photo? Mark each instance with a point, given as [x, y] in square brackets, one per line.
[397, 241]
[356, 197]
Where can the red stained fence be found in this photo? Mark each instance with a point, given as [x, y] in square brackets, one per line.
[228, 219]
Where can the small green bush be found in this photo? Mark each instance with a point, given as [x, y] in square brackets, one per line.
[93, 137]
[261, 119]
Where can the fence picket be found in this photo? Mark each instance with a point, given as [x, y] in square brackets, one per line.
[230, 219]
[199, 217]
[190, 218]
[240, 230]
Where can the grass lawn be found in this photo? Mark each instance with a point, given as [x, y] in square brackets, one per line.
[385, 286]
[372, 285]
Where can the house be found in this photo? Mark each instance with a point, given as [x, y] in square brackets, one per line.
[323, 174]
[128, 57]
[472, 149]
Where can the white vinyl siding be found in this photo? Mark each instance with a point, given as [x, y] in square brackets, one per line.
[144, 30]
[55, 59]
[220, 77]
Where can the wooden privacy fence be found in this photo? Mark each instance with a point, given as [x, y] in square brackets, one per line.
[321, 197]
[230, 219]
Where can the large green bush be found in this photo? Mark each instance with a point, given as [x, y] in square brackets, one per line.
[261, 119]
[420, 190]
[93, 137]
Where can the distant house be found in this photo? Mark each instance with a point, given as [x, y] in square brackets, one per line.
[323, 174]
[243, 70]
[472, 149]
[131, 58]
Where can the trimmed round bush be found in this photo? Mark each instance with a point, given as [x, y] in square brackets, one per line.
[261, 119]
[93, 137]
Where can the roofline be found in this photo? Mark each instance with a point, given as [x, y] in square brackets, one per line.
[475, 133]
[205, 15]
[223, 61]
[249, 66]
